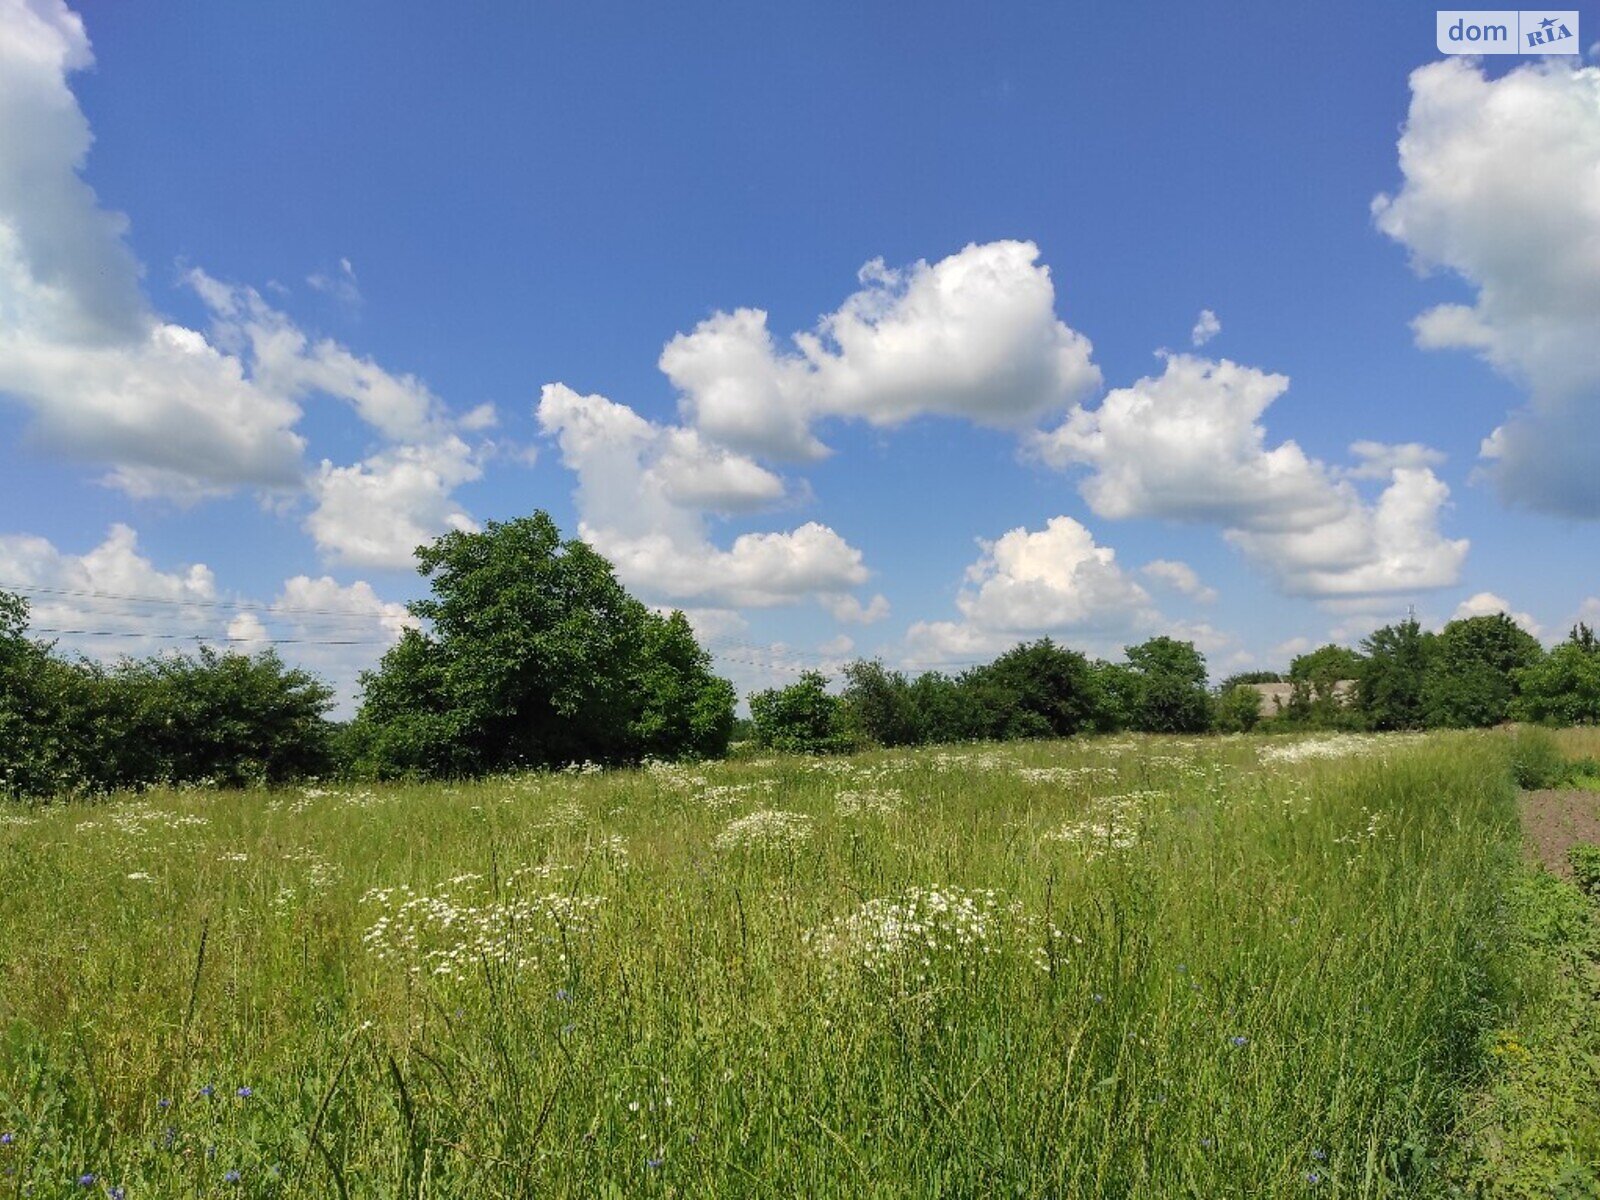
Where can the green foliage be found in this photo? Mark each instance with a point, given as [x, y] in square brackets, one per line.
[228, 719]
[1562, 688]
[1036, 689]
[1536, 760]
[76, 728]
[1242, 677]
[1238, 709]
[535, 656]
[684, 709]
[1169, 687]
[1326, 666]
[803, 718]
[1584, 859]
[941, 710]
[879, 707]
[1471, 678]
[1392, 679]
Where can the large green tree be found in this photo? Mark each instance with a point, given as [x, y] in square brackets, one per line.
[533, 654]
[1390, 688]
[1472, 675]
[1035, 689]
[1562, 688]
[1169, 694]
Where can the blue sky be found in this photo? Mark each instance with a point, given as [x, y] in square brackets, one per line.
[358, 243]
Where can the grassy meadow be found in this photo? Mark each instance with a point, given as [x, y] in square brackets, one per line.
[1131, 967]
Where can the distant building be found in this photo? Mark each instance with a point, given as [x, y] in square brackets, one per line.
[1275, 697]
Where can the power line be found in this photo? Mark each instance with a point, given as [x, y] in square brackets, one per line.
[201, 637]
[246, 605]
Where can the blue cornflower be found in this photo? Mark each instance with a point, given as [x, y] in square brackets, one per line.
[7, 1138]
[1320, 1155]
[244, 1093]
[86, 1179]
[208, 1090]
[563, 995]
[1239, 1039]
[1313, 1177]
[654, 1163]
[163, 1103]
[231, 1177]
[1206, 1143]
[118, 1193]
[1098, 998]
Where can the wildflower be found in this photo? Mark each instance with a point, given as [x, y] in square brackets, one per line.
[163, 1102]
[86, 1180]
[1239, 1039]
[1313, 1178]
[1320, 1155]
[231, 1177]
[7, 1138]
[245, 1093]
[118, 1193]
[654, 1163]
[1098, 998]
[208, 1091]
[563, 995]
[1206, 1143]
[766, 829]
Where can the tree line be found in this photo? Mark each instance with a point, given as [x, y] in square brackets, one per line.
[530, 654]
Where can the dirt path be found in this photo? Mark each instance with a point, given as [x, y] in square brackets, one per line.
[1554, 820]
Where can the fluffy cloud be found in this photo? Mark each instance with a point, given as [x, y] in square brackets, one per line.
[1502, 188]
[1487, 604]
[644, 490]
[1055, 580]
[286, 362]
[1180, 577]
[375, 513]
[1189, 445]
[105, 379]
[111, 601]
[973, 335]
[173, 411]
[1206, 327]
[1380, 460]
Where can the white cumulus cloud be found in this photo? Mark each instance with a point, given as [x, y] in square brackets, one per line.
[1206, 327]
[1180, 577]
[1501, 187]
[643, 494]
[1030, 583]
[1189, 445]
[105, 379]
[973, 335]
[1487, 604]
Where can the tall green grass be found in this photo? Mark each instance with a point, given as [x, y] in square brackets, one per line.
[1198, 974]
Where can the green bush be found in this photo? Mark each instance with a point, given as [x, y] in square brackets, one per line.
[1238, 709]
[802, 718]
